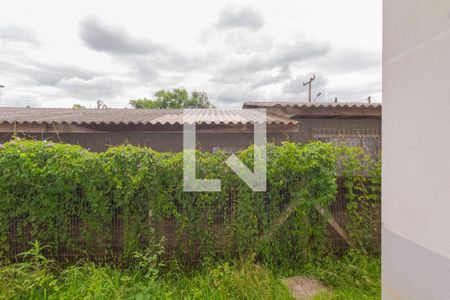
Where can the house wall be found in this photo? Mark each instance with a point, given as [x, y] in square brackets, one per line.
[165, 139]
[168, 141]
[416, 143]
[309, 125]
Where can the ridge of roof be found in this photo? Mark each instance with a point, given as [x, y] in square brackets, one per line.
[297, 104]
[126, 116]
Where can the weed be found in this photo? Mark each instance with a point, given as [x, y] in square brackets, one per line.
[353, 276]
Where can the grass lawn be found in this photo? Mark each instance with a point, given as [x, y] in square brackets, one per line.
[354, 276]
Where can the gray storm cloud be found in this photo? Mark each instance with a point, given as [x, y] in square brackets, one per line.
[146, 59]
[113, 39]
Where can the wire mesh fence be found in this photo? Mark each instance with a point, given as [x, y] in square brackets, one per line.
[176, 240]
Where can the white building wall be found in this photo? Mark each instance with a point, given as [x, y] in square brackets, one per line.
[416, 149]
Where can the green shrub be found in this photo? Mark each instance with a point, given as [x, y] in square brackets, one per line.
[361, 175]
[46, 186]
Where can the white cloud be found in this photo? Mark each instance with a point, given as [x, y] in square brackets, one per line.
[240, 17]
[295, 85]
[234, 50]
[11, 33]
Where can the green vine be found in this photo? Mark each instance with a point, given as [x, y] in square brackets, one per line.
[361, 175]
[126, 199]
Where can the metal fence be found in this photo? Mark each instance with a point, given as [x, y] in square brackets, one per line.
[175, 241]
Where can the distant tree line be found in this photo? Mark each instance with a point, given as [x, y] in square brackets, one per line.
[176, 99]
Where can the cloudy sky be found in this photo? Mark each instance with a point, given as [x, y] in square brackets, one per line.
[57, 53]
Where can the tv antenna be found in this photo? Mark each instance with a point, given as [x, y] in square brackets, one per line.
[308, 83]
[1, 87]
[318, 95]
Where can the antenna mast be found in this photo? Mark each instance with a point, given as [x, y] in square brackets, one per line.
[308, 83]
[1, 87]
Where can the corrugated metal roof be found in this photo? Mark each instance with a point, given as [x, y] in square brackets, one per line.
[131, 116]
[263, 104]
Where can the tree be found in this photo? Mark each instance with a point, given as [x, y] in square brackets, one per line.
[177, 99]
[101, 104]
[78, 106]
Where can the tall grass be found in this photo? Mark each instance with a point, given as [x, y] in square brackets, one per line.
[354, 276]
[88, 281]
[36, 277]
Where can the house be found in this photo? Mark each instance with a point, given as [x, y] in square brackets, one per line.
[349, 123]
[227, 129]
[160, 129]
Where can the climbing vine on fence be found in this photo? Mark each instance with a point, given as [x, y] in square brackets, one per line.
[46, 188]
[361, 176]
